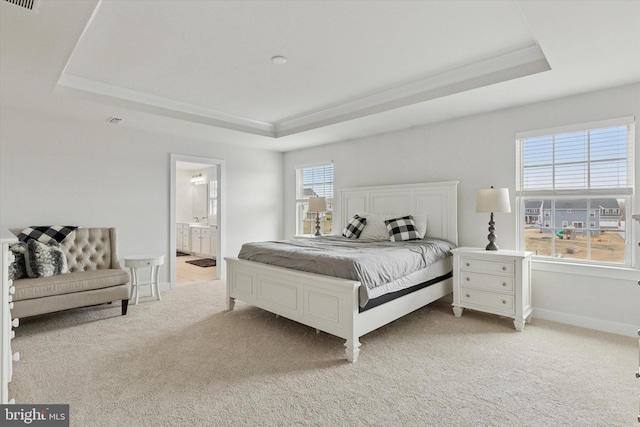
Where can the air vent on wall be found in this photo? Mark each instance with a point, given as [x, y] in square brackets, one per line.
[27, 4]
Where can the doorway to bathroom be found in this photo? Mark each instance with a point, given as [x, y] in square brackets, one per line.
[196, 219]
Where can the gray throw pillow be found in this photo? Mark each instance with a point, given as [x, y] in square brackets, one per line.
[44, 260]
[18, 268]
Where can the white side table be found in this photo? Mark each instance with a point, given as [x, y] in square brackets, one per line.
[497, 282]
[153, 262]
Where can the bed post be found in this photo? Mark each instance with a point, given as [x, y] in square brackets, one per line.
[352, 349]
[352, 344]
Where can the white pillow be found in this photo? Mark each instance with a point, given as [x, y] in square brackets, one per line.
[376, 229]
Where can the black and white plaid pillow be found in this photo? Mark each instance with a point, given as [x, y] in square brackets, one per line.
[402, 229]
[45, 233]
[355, 227]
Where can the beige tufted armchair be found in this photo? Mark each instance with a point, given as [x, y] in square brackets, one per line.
[95, 277]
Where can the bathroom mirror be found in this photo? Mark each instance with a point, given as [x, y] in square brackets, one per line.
[200, 201]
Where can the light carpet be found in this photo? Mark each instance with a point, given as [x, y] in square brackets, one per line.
[185, 361]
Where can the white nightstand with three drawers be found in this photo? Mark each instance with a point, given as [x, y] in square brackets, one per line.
[497, 282]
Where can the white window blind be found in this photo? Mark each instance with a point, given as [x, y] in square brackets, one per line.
[314, 181]
[597, 160]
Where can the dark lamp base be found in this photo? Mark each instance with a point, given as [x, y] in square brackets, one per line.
[318, 225]
[492, 237]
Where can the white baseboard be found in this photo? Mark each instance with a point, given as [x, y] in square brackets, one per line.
[587, 322]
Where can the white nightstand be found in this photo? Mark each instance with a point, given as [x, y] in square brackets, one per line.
[497, 282]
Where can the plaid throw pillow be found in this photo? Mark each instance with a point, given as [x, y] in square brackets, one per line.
[45, 233]
[402, 229]
[355, 227]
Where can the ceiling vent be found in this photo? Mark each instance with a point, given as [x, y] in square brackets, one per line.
[27, 4]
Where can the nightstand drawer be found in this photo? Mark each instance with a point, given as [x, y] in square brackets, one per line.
[493, 267]
[487, 282]
[487, 299]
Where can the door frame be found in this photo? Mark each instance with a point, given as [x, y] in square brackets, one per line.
[220, 217]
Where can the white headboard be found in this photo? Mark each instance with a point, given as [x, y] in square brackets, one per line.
[438, 200]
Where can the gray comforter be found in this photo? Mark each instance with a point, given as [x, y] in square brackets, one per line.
[372, 263]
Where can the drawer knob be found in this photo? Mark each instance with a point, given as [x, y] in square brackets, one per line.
[15, 322]
[504, 301]
[468, 296]
[16, 357]
[504, 283]
[468, 264]
[468, 279]
[504, 268]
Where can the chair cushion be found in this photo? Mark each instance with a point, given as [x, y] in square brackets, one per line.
[68, 283]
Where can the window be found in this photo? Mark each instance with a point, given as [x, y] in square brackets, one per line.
[579, 175]
[311, 181]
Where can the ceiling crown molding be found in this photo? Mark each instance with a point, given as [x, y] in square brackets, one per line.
[509, 66]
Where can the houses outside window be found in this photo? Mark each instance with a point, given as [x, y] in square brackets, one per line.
[582, 179]
[311, 181]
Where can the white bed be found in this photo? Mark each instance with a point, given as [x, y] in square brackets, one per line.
[330, 304]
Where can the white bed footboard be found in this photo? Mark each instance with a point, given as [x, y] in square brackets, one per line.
[326, 303]
[322, 302]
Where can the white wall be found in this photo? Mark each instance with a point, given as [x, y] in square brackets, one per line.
[54, 170]
[479, 151]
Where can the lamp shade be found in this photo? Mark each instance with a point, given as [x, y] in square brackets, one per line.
[493, 200]
[317, 204]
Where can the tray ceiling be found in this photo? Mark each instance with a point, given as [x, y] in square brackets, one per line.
[353, 67]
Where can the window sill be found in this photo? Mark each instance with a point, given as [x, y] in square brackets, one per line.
[620, 273]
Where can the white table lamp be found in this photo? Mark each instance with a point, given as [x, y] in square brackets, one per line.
[493, 200]
[317, 205]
